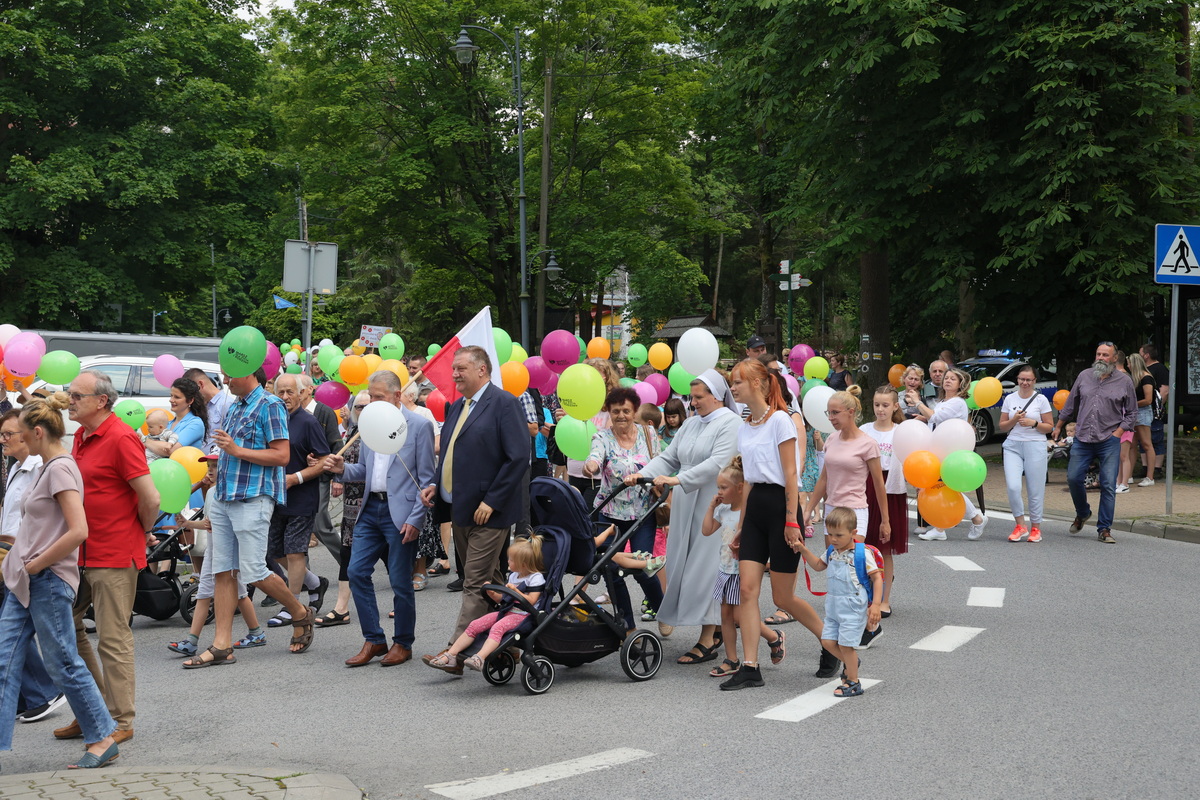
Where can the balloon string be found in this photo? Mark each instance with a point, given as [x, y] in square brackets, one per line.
[354, 438]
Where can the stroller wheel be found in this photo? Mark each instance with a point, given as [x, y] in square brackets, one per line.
[187, 604]
[641, 655]
[500, 668]
[540, 677]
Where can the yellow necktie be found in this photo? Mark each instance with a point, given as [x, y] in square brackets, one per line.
[448, 465]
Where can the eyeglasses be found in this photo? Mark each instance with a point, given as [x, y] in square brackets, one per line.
[360, 407]
[835, 413]
[1105, 344]
[6, 435]
[77, 396]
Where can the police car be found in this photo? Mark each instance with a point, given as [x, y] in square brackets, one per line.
[1001, 365]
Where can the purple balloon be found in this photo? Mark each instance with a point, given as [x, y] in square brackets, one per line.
[662, 385]
[560, 349]
[799, 354]
[647, 392]
[332, 394]
[538, 371]
[23, 353]
[792, 385]
[167, 369]
[273, 361]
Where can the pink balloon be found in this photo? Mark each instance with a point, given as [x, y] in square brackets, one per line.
[560, 349]
[660, 382]
[551, 384]
[332, 394]
[799, 354]
[273, 361]
[647, 392]
[167, 369]
[23, 354]
[792, 385]
[538, 371]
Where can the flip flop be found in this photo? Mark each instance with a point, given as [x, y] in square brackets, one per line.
[705, 654]
[780, 617]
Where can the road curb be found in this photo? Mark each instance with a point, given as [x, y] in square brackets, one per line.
[275, 783]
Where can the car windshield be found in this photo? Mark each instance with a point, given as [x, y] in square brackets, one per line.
[985, 370]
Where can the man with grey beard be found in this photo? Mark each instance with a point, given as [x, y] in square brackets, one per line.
[1102, 404]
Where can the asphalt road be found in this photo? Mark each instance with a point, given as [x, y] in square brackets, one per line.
[1078, 686]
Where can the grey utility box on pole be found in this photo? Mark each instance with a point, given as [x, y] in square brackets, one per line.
[309, 267]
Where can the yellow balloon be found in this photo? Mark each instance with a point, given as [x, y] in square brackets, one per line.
[402, 373]
[660, 356]
[518, 354]
[988, 392]
[373, 362]
[357, 348]
[189, 458]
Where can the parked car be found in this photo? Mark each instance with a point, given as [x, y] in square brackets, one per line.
[132, 376]
[987, 420]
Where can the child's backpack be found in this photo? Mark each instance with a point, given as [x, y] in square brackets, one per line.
[860, 565]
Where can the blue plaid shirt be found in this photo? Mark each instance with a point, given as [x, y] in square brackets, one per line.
[254, 421]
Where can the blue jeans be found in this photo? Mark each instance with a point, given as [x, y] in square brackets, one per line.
[36, 687]
[1030, 458]
[1108, 452]
[49, 616]
[642, 539]
[376, 538]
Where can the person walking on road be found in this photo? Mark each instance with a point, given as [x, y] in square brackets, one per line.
[1026, 418]
[1102, 404]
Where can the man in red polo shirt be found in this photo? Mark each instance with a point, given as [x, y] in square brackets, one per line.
[121, 505]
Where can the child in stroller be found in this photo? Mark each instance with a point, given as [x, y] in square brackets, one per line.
[527, 579]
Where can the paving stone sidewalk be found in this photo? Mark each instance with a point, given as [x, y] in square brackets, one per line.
[177, 783]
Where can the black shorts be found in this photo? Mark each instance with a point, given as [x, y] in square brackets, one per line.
[288, 535]
[762, 529]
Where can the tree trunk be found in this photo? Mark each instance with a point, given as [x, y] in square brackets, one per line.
[964, 332]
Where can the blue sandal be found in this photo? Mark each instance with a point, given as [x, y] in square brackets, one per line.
[848, 689]
[92, 761]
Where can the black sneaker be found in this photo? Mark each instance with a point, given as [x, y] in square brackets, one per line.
[268, 602]
[745, 678]
[317, 599]
[829, 665]
[869, 637]
[455, 585]
[42, 711]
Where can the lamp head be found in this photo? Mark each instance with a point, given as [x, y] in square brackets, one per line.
[463, 48]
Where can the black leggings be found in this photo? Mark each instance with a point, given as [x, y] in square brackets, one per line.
[762, 529]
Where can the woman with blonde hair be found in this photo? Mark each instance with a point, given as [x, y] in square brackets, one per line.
[1145, 388]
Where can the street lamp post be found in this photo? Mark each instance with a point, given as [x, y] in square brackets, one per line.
[154, 320]
[464, 49]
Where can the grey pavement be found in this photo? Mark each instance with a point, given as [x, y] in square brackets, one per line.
[179, 782]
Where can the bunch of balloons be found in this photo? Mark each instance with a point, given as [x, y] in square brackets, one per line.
[23, 355]
[984, 393]
[942, 464]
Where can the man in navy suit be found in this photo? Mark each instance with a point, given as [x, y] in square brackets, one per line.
[389, 522]
[484, 457]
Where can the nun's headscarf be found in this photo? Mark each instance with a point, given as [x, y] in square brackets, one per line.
[720, 389]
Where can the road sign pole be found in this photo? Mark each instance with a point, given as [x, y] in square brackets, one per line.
[789, 339]
[1169, 464]
[312, 257]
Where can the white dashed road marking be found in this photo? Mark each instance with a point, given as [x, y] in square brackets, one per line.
[810, 703]
[986, 597]
[947, 638]
[959, 563]
[487, 786]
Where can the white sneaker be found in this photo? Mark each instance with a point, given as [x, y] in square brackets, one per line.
[920, 530]
[933, 535]
[977, 530]
[1147, 481]
[1122, 488]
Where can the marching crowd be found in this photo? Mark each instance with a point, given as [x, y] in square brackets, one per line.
[748, 481]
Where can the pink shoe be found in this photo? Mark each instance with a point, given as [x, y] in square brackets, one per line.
[1018, 533]
[1035, 534]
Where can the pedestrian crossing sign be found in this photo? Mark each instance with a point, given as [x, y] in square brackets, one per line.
[1175, 259]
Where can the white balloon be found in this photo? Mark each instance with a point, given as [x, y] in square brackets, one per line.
[952, 435]
[383, 427]
[325, 342]
[7, 331]
[290, 357]
[816, 403]
[698, 351]
[910, 436]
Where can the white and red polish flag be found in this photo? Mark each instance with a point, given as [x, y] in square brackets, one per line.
[477, 332]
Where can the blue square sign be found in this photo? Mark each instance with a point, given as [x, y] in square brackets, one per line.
[1175, 260]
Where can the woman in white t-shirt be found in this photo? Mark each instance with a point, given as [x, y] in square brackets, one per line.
[1026, 418]
[768, 530]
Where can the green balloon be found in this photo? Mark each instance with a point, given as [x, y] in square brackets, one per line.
[809, 384]
[329, 358]
[680, 378]
[581, 391]
[58, 367]
[574, 437]
[432, 350]
[295, 342]
[242, 351]
[294, 369]
[503, 345]
[963, 470]
[627, 382]
[637, 355]
[391, 346]
[582, 348]
[173, 484]
[132, 413]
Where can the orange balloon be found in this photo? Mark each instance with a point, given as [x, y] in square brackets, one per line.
[373, 362]
[599, 348]
[660, 356]
[922, 469]
[353, 370]
[1060, 398]
[941, 506]
[9, 379]
[896, 377]
[515, 377]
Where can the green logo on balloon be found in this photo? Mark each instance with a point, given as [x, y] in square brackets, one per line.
[243, 351]
[131, 412]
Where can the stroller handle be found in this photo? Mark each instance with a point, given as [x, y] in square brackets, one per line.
[518, 599]
[641, 481]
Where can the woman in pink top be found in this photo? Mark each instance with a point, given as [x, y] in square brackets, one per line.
[851, 457]
[41, 573]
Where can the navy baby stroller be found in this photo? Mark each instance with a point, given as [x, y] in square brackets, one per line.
[569, 627]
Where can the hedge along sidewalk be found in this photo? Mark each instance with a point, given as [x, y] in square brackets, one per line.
[181, 783]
